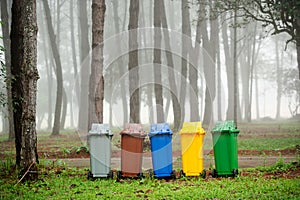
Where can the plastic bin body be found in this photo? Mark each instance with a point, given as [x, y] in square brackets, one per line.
[132, 138]
[225, 148]
[100, 150]
[192, 136]
[161, 149]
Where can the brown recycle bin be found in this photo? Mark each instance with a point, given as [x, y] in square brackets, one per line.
[132, 138]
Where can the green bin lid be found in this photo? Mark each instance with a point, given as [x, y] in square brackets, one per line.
[100, 129]
[225, 127]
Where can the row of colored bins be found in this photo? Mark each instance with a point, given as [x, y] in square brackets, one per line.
[192, 135]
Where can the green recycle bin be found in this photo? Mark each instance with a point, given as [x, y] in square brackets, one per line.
[225, 149]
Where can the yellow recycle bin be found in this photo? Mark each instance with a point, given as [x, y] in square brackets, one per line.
[192, 135]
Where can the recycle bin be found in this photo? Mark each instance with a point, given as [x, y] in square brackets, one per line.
[161, 149]
[225, 149]
[99, 138]
[192, 135]
[132, 138]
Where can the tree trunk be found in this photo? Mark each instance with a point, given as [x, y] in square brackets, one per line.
[298, 42]
[85, 67]
[6, 44]
[24, 85]
[279, 86]
[59, 76]
[96, 86]
[64, 110]
[186, 32]
[133, 62]
[120, 61]
[171, 75]
[157, 63]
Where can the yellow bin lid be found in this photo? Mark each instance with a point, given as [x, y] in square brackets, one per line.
[192, 128]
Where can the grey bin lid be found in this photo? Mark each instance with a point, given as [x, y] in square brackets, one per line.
[100, 129]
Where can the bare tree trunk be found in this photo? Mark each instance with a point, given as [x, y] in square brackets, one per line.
[24, 86]
[157, 63]
[171, 75]
[279, 85]
[59, 76]
[85, 67]
[6, 44]
[133, 62]
[186, 32]
[74, 57]
[96, 86]
[257, 94]
[64, 110]
[120, 61]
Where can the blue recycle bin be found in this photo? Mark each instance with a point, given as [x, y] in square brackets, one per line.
[161, 149]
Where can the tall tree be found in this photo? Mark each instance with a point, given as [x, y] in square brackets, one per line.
[59, 76]
[96, 85]
[24, 86]
[6, 44]
[133, 62]
[171, 75]
[85, 66]
[157, 62]
[186, 34]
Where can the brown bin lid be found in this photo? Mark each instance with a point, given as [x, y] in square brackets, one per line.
[134, 129]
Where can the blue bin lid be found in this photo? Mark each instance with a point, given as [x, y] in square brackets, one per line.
[100, 129]
[159, 129]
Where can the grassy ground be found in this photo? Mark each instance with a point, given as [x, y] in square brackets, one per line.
[281, 181]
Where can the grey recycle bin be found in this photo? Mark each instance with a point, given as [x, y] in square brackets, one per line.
[99, 138]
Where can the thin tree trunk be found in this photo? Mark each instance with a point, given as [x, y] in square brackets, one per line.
[59, 76]
[186, 32]
[171, 75]
[120, 61]
[6, 44]
[279, 86]
[133, 62]
[157, 63]
[24, 86]
[85, 67]
[96, 86]
[64, 110]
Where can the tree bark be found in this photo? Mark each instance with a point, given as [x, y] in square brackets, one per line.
[133, 62]
[24, 85]
[96, 86]
[157, 63]
[85, 67]
[6, 44]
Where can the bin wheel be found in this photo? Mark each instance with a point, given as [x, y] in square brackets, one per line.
[203, 174]
[119, 175]
[111, 174]
[214, 173]
[181, 174]
[90, 175]
[235, 172]
[140, 175]
[151, 173]
[173, 174]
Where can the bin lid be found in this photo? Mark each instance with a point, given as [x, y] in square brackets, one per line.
[134, 129]
[225, 127]
[100, 129]
[161, 128]
[192, 128]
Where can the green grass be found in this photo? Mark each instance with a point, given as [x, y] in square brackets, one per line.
[69, 183]
[268, 144]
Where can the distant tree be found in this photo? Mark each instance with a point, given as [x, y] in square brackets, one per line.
[59, 76]
[6, 45]
[96, 84]
[281, 15]
[133, 62]
[24, 85]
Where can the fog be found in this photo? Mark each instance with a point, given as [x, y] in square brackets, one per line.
[269, 59]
